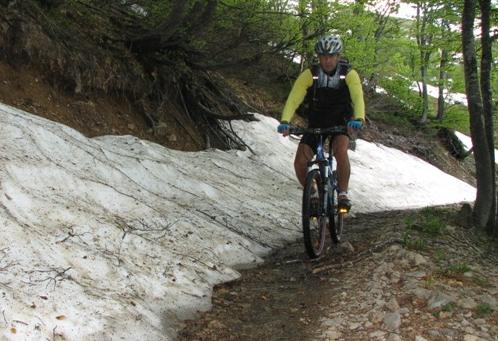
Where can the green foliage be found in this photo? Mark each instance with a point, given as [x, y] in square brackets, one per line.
[428, 221]
[399, 88]
[455, 270]
[440, 256]
[456, 117]
[414, 243]
[450, 307]
[483, 310]
[482, 281]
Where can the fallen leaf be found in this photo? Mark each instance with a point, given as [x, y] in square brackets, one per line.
[61, 317]
[13, 330]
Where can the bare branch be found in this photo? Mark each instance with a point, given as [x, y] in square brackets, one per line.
[54, 276]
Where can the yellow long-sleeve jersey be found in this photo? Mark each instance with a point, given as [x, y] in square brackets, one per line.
[305, 80]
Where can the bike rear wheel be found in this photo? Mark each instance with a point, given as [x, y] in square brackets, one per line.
[314, 221]
[336, 219]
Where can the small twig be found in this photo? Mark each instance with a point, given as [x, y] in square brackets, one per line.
[21, 322]
[293, 261]
[360, 256]
[71, 234]
[60, 275]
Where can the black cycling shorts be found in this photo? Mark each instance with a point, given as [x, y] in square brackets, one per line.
[313, 139]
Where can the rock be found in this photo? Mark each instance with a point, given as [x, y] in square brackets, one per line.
[375, 316]
[422, 293]
[395, 277]
[379, 334]
[392, 321]
[488, 299]
[464, 217]
[417, 274]
[416, 259]
[394, 337]
[467, 303]
[439, 300]
[480, 322]
[404, 311]
[379, 303]
[434, 333]
[420, 338]
[394, 249]
[392, 305]
[469, 337]
[333, 323]
[354, 326]
[333, 334]
[346, 247]
[161, 129]
[215, 324]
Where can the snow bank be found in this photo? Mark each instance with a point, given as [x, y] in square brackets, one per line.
[119, 238]
[467, 143]
[116, 237]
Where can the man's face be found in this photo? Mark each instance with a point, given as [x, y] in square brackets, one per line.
[328, 62]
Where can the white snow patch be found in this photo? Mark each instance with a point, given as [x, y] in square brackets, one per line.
[120, 238]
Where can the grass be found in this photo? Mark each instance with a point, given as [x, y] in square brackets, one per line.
[419, 244]
[455, 270]
[483, 310]
[422, 225]
[440, 256]
[450, 307]
[429, 282]
[428, 221]
[482, 282]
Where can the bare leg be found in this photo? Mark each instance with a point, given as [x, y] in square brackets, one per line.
[304, 154]
[340, 146]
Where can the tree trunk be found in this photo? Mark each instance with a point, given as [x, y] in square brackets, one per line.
[487, 100]
[425, 96]
[484, 177]
[441, 84]
[423, 42]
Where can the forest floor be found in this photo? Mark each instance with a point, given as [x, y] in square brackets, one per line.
[386, 281]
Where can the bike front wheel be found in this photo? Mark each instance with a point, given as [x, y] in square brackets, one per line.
[336, 218]
[314, 219]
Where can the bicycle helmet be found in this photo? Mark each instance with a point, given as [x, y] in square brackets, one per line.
[329, 45]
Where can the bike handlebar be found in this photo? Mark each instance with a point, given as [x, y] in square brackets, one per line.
[317, 131]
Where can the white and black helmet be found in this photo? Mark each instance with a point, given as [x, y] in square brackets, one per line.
[329, 45]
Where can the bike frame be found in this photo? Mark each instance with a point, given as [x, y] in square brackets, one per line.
[325, 163]
[316, 219]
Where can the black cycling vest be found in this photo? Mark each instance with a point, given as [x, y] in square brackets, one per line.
[330, 102]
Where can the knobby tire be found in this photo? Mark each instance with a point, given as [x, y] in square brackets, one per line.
[336, 219]
[314, 225]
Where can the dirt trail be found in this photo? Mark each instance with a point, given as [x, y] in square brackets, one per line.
[381, 284]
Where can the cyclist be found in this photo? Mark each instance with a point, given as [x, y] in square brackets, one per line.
[335, 97]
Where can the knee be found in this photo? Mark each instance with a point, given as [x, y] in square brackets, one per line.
[341, 156]
[300, 162]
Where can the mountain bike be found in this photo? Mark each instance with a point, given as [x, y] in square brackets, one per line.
[320, 208]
